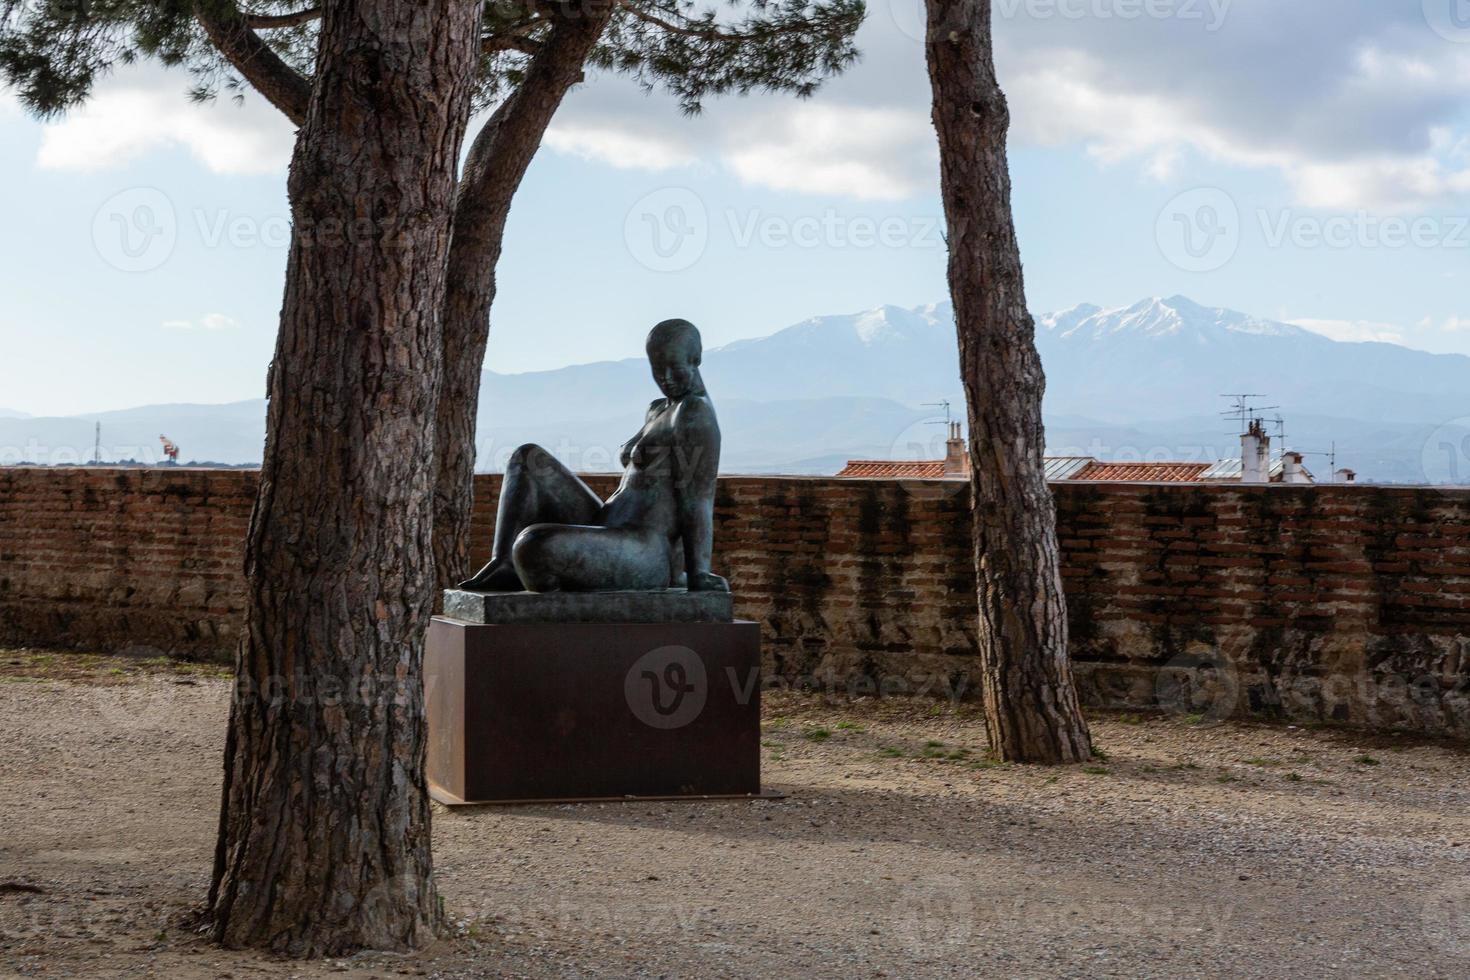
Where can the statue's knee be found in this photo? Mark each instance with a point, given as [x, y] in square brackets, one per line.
[534, 555]
[525, 455]
[535, 544]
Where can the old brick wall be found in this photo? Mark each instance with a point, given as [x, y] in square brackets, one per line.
[123, 558]
[1347, 604]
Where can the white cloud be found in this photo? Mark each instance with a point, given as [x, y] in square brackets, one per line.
[209, 321]
[147, 110]
[1450, 324]
[1408, 153]
[1355, 331]
[834, 149]
[621, 147]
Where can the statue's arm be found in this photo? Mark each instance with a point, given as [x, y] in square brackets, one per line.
[696, 465]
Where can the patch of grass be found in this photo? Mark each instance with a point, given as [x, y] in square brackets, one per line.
[1182, 764]
[1051, 779]
[817, 734]
[850, 726]
[889, 752]
[1096, 770]
[1100, 753]
[1225, 777]
[932, 744]
[1260, 762]
[1131, 719]
[770, 745]
[1293, 777]
[777, 723]
[1193, 719]
[1365, 760]
[958, 754]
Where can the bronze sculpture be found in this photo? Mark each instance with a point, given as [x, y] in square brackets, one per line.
[554, 534]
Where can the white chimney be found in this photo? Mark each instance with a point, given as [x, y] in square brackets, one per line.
[1292, 470]
[1347, 476]
[1255, 454]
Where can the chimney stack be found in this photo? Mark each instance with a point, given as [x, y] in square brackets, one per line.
[1292, 470]
[1255, 454]
[956, 458]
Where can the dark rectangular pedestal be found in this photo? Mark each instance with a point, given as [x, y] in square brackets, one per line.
[579, 711]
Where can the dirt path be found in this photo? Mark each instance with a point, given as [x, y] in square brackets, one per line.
[1234, 850]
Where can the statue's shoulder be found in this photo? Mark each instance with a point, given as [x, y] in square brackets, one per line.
[654, 407]
[696, 412]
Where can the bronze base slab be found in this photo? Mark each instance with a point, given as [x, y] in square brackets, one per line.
[560, 712]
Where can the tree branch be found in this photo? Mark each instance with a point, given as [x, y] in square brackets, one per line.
[516, 37]
[264, 22]
[229, 31]
[672, 28]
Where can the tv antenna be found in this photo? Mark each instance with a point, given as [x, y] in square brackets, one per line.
[1244, 412]
[939, 404]
[1280, 424]
[1331, 455]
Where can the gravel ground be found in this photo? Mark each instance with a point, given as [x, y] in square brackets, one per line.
[899, 851]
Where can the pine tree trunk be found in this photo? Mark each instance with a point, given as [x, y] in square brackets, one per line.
[1031, 708]
[324, 826]
[494, 169]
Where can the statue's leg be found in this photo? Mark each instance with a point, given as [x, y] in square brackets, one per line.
[537, 489]
[563, 558]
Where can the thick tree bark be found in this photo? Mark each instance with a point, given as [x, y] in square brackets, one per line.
[493, 171]
[324, 826]
[1031, 708]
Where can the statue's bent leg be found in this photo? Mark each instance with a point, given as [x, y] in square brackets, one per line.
[537, 489]
[569, 558]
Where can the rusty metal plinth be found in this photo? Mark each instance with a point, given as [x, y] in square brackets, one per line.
[540, 711]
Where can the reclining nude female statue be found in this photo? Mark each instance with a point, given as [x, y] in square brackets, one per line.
[554, 534]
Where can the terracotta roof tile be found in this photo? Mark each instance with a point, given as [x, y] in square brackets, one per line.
[1143, 472]
[883, 469]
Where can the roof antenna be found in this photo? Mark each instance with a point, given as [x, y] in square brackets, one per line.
[1244, 412]
[940, 404]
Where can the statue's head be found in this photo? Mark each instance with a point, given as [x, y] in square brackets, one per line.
[674, 353]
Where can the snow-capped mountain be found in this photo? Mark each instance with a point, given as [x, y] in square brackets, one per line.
[1137, 382]
[1176, 317]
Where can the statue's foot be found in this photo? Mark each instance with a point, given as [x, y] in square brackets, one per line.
[498, 576]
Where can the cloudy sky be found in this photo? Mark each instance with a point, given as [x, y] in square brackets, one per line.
[1307, 160]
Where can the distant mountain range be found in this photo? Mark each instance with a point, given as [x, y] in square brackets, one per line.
[1136, 383]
